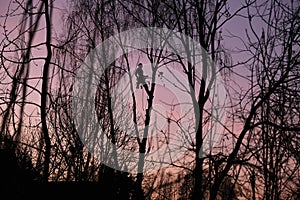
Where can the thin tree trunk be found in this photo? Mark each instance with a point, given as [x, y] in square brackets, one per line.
[44, 92]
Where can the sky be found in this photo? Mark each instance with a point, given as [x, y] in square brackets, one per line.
[12, 24]
[59, 7]
[236, 26]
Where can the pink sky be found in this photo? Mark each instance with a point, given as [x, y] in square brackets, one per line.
[236, 26]
[12, 24]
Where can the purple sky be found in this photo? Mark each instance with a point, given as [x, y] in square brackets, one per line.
[236, 26]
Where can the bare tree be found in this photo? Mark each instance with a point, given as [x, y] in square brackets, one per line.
[257, 153]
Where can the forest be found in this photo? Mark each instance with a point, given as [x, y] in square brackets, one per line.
[149, 99]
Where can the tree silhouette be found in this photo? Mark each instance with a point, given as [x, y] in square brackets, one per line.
[249, 149]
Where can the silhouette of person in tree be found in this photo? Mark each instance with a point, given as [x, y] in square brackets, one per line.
[140, 77]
